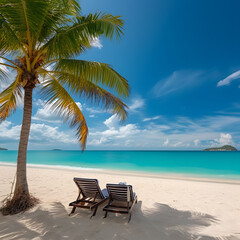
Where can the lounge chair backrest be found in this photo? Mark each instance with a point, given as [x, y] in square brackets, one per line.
[120, 192]
[89, 187]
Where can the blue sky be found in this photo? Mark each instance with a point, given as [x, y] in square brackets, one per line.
[181, 59]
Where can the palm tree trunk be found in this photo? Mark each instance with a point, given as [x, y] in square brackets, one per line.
[21, 187]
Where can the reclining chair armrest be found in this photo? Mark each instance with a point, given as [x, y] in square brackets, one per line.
[99, 203]
[134, 202]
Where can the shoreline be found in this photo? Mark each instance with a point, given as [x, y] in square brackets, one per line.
[160, 175]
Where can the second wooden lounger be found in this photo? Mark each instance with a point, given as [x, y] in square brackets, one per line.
[121, 199]
[90, 195]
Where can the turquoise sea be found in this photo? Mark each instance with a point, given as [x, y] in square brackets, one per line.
[211, 164]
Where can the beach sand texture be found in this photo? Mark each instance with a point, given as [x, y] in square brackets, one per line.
[167, 209]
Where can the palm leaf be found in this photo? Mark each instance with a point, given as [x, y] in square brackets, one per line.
[63, 105]
[9, 99]
[3, 70]
[95, 72]
[57, 14]
[94, 93]
[73, 39]
[32, 21]
[99, 95]
[9, 41]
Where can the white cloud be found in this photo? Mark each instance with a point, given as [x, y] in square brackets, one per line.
[179, 133]
[9, 131]
[112, 122]
[225, 139]
[177, 81]
[150, 119]
[196, 142]
[95, 42]
[44, 113]
[229, 79]
[166, 143]
[136, 104]
[115, 131]
[44, 132]
[41, 134]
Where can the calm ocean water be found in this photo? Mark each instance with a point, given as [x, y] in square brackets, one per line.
[215, 164]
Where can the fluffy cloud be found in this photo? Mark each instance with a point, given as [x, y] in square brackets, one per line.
[229, 79]
[112, 122]
[180, 133]
[225, 139]
[43, 132]
[41, 135]
[177, 133]
[95, 42]
[114, 131]
[45, 114]
[8, 131]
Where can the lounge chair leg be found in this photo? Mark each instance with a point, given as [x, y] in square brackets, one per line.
[73, 210]
[106, 213]
[130, 215]
[94, 212]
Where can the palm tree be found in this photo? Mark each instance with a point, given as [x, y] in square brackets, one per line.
[38, 41]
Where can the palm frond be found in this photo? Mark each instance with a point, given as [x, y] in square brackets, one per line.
[95, 94]
[9, 41]
[62, 104]
[95, 72]
[57, 14]
[73, 39]
[3, 70]
[23, 16]
[101, 24]
[9, 99]
[28, 22]
[100, 96]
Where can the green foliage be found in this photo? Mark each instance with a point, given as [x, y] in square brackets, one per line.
[3, 148]
[223, 148]
[9, 99]
[38, 40]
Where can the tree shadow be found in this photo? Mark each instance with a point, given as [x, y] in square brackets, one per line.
[161, 222]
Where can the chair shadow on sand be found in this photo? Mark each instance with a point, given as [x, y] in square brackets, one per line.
[162, 222]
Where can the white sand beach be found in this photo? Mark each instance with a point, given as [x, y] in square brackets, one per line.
[168, 208]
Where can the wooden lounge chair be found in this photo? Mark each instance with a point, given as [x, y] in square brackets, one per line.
[121, 199]
[90, 195]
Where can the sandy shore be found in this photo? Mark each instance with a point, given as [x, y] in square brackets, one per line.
[169, 208]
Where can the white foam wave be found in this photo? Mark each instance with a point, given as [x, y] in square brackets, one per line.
[52, 166]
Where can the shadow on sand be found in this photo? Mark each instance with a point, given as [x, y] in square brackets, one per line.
[162, 222]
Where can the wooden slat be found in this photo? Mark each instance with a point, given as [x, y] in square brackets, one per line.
[89, 187]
